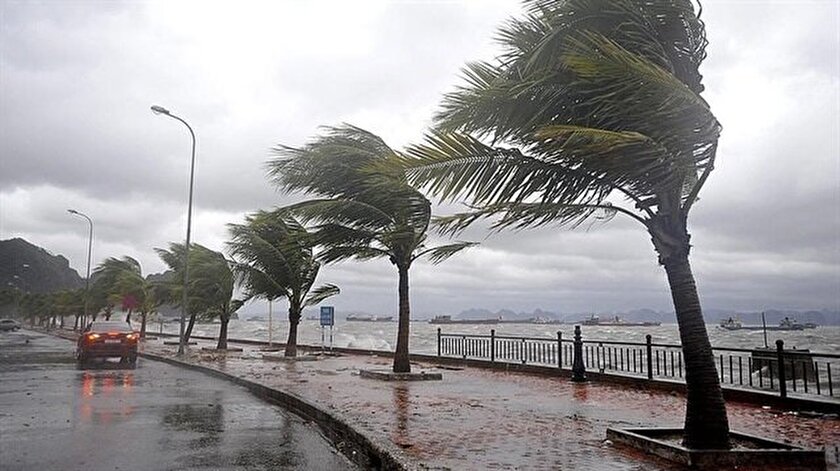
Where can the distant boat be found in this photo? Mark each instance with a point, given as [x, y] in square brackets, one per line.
[450, 320]
[369, 319]
[731, 324]
[785, 324]
[530, 320]
[254, 318]
[617, 322]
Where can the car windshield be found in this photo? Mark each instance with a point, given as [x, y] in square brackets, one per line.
[110, 327]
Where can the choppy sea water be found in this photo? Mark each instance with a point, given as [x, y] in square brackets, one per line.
[423, 339]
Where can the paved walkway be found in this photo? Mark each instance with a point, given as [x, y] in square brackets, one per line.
[482, 419]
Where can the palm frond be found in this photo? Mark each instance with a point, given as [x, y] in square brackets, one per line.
[340, 253]
[457, 165]
[442, 252]
[528, 215]
[319, 294]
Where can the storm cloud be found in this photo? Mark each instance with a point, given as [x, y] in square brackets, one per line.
[77, 80]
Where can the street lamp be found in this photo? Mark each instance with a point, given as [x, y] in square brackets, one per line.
[87, 278]
[182, 342]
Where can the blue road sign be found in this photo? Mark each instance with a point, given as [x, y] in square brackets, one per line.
[327, 316]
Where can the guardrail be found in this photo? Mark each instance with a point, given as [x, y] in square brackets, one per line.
[777, 370]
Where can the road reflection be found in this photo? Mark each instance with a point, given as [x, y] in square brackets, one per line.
[205, 419]
[105, 396]
[402, 402]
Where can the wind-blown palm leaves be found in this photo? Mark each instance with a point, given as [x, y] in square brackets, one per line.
[124, 278]
[274, 259]
[593, 110]
[210, 290]
[68, 302]
[212, 281]
[367, 210]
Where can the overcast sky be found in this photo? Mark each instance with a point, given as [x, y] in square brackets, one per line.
[77, 79]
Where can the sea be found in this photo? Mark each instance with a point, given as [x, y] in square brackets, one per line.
[423, 335]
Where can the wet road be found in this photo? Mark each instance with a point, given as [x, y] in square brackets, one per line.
[155, 417]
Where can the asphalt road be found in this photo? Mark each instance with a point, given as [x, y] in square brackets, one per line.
[155, 417]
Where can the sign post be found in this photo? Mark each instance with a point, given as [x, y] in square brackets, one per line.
[327, 319]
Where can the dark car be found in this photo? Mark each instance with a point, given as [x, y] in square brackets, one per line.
[9, 324]
[108, 339]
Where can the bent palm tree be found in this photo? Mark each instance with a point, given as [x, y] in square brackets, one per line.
[595, 101]
[124, 277]
[198, 303]
[366, 210]
[274, 259]
[212, 281]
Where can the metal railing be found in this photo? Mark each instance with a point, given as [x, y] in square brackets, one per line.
[777, 369]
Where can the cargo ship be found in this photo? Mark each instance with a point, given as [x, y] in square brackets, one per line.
[617, 322]
[352, 318]
[450, 320]
[785, 324]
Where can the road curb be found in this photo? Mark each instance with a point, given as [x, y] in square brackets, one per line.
[356, 446]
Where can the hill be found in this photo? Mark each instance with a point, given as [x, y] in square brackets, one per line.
[31, 268]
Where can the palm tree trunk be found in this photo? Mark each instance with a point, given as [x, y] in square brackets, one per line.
[75, 324]
[294, 320]
[706, 423]
[223, 332]
[188, 332]
[128, 316]
[143, 324]
[401, 362]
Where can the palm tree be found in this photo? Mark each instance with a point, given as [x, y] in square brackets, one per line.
[366, 211]
[102, 299]
[212, 280]
[124, 277]
[65, 303]
[210, 289]
[593, 110]
[274, 259]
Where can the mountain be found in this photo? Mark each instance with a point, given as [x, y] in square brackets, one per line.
[32, 269]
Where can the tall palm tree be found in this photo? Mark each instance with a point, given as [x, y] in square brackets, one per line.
[124, 277]
[101, 299]
[69, 302]
[274, 259]
[210, 290]
[593, 110]
[212, 281]
[366, 210]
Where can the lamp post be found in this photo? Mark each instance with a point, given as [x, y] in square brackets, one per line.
[87, 278]
[182, 341]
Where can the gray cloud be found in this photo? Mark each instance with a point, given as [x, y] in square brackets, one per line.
[77, 80]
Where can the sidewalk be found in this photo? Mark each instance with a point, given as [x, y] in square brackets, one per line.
[481, 419]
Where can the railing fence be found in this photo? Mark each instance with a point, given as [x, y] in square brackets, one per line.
[770, 369]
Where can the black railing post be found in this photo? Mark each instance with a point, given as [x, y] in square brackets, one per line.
[780, 355]
[649, 348]
[438, 339]
[559, 350]
[492, 345]
[578, 369]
